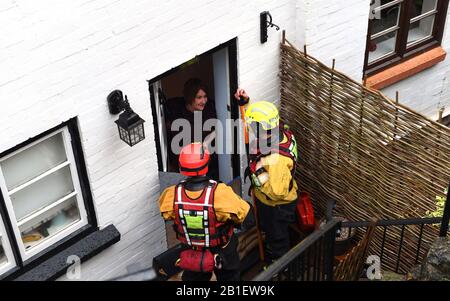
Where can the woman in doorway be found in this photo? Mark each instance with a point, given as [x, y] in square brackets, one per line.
[195, 100]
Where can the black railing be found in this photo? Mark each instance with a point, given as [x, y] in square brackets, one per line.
[446, 215]
[310, 260]
[392, 225]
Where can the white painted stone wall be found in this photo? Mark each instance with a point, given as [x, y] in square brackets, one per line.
[60, 59]
[334, 29]
[429, 90]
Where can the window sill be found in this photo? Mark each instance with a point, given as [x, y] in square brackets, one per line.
[406, 69]
[85, 249]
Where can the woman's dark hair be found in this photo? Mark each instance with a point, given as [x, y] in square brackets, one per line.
[191, 88]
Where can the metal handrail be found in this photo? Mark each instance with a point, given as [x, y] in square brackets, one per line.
[299, 249]
[394, 222]
[446, 215]
[403, 223]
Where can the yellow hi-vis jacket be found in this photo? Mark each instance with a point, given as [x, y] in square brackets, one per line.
[276, 190]
[227, 204]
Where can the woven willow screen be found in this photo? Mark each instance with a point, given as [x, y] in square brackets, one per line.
[376, 158]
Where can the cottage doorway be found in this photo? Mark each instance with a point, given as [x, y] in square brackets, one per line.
[217, 68]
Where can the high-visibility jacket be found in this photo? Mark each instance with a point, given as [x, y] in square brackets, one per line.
[203, 218]
[281, 188]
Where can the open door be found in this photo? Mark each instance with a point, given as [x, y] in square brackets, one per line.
[223, 110]
[158, 101]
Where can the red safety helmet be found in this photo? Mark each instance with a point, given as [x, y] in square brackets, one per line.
[194, 160]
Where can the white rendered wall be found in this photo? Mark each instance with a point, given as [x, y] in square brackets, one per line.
[334, 29]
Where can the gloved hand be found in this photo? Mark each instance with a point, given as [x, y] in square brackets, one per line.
[262, 174]
[242, 96]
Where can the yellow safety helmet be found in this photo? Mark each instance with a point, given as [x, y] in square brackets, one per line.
[264, 113]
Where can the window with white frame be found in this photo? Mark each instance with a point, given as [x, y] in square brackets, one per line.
[7, 261]
[42, 194]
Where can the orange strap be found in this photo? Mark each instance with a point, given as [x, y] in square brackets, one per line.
[243, 120]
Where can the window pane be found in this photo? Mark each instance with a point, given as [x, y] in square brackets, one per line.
[3, 258]
[42, 193]
[421, 7]
[385, 19]
[420, 30]
[33, 161]
[6, 260]
[382, 46]
[50, 223]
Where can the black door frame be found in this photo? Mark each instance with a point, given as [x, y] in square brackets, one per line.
[232, 61]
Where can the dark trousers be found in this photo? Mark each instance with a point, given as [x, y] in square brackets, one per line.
[274, 221]
[230, 270]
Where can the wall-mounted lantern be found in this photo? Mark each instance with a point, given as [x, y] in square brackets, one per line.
[129, 124]
[265, 20]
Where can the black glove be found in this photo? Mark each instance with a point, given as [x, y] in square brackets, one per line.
[243, 101]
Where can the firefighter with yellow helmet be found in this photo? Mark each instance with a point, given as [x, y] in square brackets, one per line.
[272, 161]
[204, 213]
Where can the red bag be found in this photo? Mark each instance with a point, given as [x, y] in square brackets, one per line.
[305, 212]
[197, 261]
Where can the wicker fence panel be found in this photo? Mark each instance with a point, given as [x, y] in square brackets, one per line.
[376, 157]
[350, 268]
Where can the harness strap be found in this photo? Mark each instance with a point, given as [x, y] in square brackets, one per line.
[190, 227]
[181, 212]
[286, 151]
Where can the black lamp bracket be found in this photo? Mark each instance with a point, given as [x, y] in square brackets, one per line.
[270, 24]
[116, 102]
[266, 22]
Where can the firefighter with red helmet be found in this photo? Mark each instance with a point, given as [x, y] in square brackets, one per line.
[272, 161]
[204, 213]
